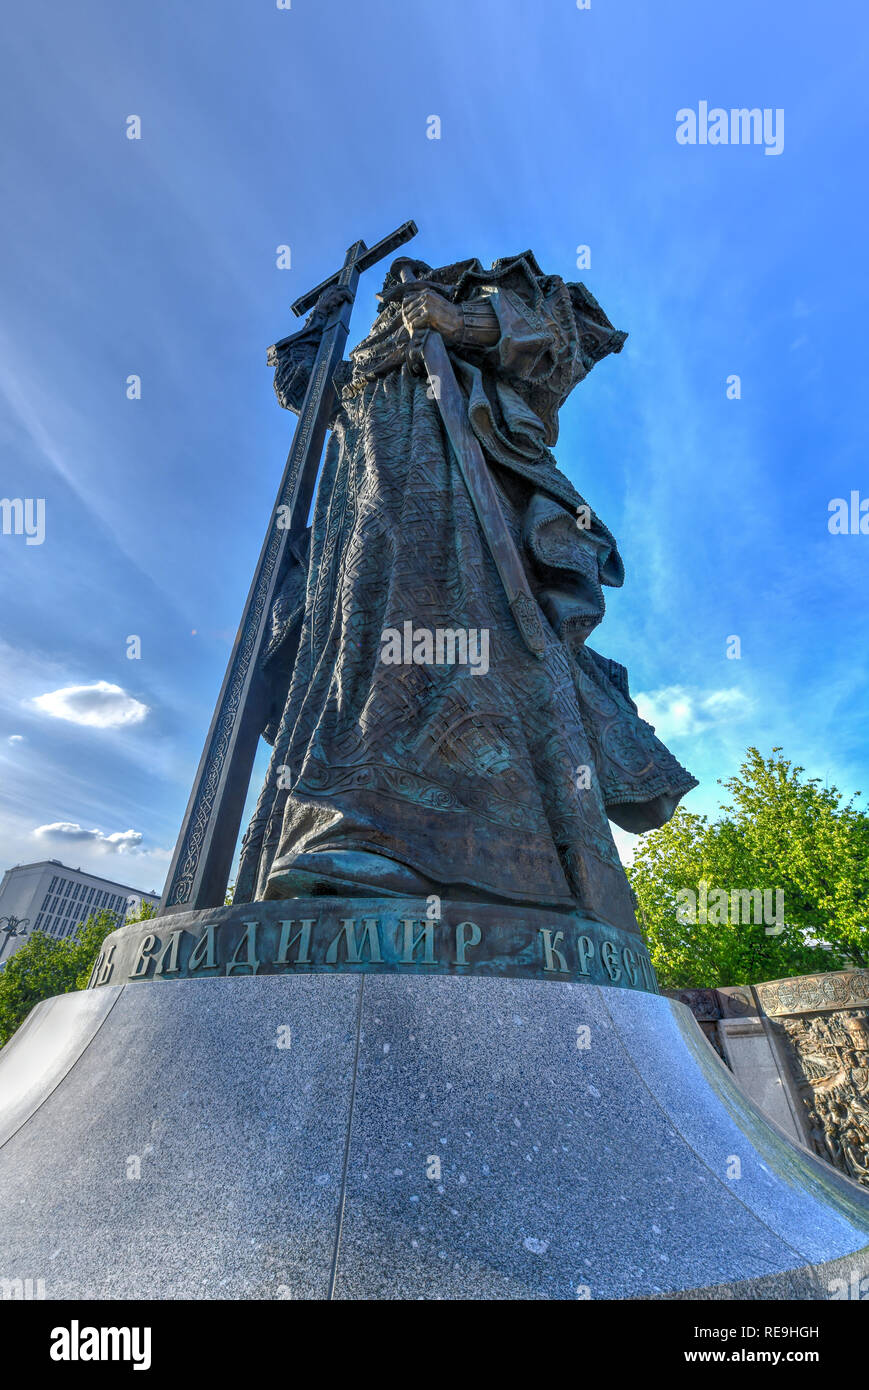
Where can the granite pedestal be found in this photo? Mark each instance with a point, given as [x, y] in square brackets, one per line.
[388, 1136]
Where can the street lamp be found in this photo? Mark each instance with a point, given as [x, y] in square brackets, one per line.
[16, 926]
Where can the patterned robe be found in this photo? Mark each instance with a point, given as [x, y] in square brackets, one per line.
[499, 783]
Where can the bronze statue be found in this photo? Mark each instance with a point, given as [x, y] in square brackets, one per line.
[422, 745]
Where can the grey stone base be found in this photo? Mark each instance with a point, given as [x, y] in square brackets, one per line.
[364, 1136]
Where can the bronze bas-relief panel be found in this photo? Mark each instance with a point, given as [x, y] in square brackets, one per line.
[809, 993]
[827, 1047]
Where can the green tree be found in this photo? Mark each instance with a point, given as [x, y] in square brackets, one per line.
[782, 832]
[143, 913]
[45, 966]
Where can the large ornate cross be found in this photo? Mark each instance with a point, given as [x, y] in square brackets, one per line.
[199, 872]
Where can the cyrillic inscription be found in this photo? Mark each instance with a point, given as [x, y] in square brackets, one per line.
[487, 941]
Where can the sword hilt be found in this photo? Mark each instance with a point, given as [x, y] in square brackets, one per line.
[527, 619]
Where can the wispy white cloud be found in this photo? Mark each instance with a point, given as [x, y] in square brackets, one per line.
[678, 710]
[118, 842]
[101, 706]
[15, 739]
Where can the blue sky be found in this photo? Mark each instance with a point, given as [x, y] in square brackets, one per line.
[307, 127]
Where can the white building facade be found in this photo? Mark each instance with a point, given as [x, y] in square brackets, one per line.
[54, 899]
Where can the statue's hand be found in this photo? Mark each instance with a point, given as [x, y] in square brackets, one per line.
[331, 298]
[428, 309]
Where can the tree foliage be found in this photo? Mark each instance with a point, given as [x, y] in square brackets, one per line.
[780, 831]
[45, 966]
